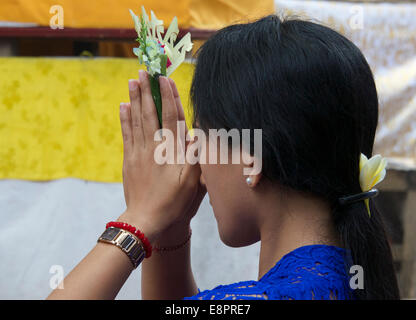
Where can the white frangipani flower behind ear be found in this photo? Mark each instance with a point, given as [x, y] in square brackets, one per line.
[372, 172]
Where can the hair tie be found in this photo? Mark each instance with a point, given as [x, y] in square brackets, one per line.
[372, 172]
[358, 197]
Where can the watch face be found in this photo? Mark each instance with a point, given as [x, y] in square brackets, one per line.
[128, 242]
[137, 252]
[110, 233]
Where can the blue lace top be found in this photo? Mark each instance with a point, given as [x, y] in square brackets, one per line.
[306, 273]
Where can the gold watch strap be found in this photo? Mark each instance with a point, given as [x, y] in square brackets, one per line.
[126, 241]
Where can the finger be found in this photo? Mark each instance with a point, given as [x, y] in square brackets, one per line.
[149, 113]
[196, 202]
[202, 191]
[192, 174]
[179, 108]
[181, 114]
[169, 110]
[126, 128]
[135, 102]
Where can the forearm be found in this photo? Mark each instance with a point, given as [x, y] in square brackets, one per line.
[100, 275]
[168, 275]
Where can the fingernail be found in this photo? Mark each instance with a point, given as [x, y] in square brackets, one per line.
[162, 78]
[142, 75]
[132, 84]
[123, 107]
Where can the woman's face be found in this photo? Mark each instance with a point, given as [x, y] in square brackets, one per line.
[230, 196]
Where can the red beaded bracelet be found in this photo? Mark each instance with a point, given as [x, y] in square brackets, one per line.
[125, 226]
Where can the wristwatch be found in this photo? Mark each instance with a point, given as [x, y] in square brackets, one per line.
[126, 241]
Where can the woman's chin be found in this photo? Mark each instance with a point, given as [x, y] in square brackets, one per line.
[234, 239]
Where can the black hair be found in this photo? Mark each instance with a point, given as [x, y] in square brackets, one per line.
[312, 93]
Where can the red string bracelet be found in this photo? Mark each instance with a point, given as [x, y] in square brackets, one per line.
[125, 226]
[173, 248]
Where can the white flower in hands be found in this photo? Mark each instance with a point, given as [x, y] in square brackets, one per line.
[158, 53]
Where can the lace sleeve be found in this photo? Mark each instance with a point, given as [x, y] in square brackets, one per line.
[246, 290]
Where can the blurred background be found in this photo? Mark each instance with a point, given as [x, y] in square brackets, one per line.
[64, 67]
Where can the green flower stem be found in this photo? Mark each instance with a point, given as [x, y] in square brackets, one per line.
[154, 85]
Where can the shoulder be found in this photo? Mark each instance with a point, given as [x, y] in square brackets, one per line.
[309, 272]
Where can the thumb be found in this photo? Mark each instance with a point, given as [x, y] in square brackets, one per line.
[192, 170]
[192, 174]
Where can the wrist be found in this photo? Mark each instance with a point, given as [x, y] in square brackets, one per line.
[173, 235]
[151, 232]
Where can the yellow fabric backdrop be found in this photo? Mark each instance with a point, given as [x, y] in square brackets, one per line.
[216, 14]
[60, 117]
[92, 13]
[203, 14]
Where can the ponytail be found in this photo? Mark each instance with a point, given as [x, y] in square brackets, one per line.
[365, 241]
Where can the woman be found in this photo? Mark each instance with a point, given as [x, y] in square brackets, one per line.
[313, 95]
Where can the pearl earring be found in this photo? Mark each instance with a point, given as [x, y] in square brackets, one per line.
[249, 181]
